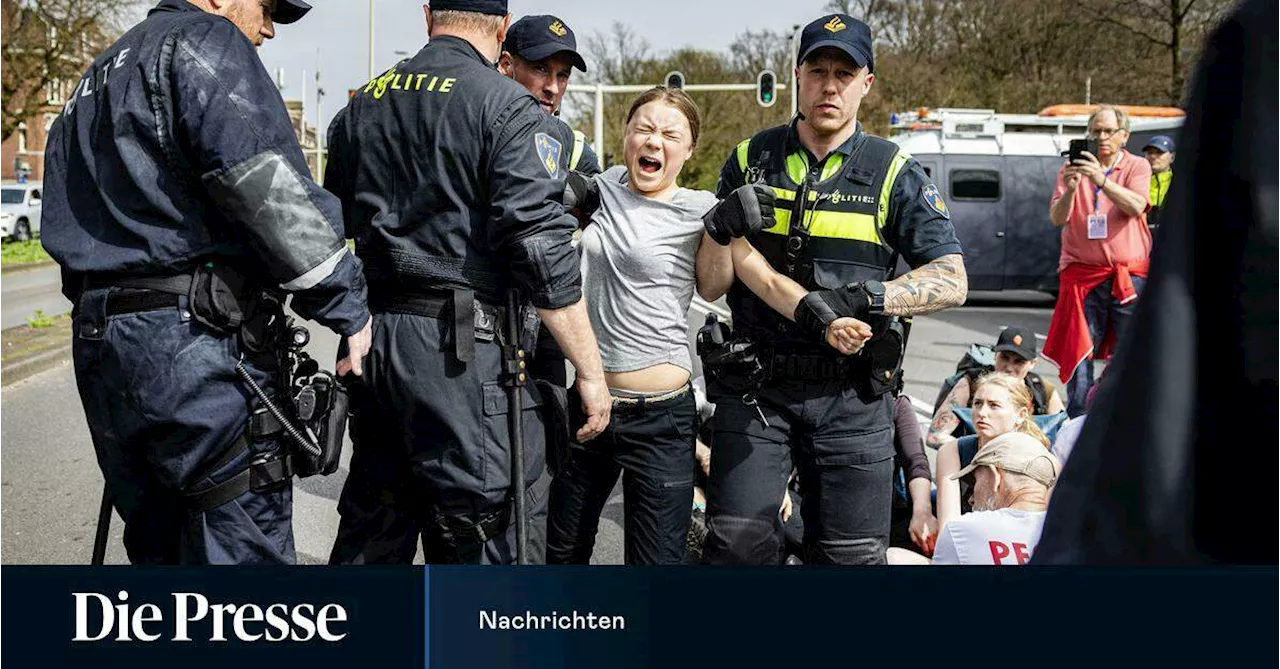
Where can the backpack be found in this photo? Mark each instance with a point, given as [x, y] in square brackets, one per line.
[981, 359]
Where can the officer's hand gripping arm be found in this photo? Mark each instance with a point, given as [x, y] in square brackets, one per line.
[744, 213]
[233, 128]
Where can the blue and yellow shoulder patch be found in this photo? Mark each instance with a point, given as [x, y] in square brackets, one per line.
[934, 199]
[549, 153]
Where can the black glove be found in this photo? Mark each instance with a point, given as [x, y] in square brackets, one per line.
[581, 195]
[820, 308]
[746, 211]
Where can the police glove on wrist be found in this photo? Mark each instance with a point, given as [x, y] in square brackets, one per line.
[581, 194]
[746, 211]
[820, 308]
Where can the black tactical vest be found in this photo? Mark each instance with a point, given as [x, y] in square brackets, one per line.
[830, 218]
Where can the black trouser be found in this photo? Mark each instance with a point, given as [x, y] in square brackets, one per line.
[652, 445]
[843, 449]
[429, 442]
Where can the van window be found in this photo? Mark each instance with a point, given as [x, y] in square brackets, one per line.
[11, 195]
[981, 185]
[928, 171]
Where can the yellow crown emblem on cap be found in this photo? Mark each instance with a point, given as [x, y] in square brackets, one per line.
[835, 25]
[558, 28]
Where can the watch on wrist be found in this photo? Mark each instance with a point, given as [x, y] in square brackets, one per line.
[874, 290]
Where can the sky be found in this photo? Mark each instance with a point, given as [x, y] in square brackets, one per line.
[334, 34]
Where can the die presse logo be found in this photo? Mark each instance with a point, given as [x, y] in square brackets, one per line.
[189, 616]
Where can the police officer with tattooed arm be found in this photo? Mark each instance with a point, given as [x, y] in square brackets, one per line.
[451, 178]
[180, 207]
[846, 205]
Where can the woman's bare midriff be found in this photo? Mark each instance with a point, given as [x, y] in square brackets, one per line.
[656, 379]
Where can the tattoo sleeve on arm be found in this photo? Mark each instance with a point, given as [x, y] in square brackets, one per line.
[938, 285]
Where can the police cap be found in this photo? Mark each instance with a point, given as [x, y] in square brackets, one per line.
[495, 7]
[842, 32]
[534, 38]
[288, 11]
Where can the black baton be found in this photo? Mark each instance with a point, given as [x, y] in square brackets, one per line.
[104, 528]
[514, 362]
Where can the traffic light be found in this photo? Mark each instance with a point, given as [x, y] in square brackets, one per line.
[766, 88]
[675, 79]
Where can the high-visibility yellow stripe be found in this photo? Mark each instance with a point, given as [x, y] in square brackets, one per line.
[833, 165]
[579, 141]
[790, 195]
[742, 154]
[797, 166]
[832, 225]
[895, 167]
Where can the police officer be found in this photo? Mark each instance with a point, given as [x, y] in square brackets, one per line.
[540, 53]
[175, 193]
[451, 177]
[848, 205]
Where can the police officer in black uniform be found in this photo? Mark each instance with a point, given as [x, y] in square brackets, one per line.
[848, 206]
[540, 53]
[452, 178]
[175, 193]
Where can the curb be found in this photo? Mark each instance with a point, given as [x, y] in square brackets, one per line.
[30, 366]
[12, 268]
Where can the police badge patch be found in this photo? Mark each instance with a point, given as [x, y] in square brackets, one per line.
[934, 199]
[549, 153]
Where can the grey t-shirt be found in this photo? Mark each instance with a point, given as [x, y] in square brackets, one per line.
[638, 275]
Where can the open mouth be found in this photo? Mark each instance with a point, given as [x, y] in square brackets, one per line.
[649, 165]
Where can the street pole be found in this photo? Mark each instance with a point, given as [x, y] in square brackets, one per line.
[319, 131]
[370, 40]
[795, 65]
[599, 130]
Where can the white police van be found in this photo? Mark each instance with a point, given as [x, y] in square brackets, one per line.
[997, 173]
[20, 211]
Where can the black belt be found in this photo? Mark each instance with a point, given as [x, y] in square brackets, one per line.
[472, 319]
[130, 301]
[811, 366]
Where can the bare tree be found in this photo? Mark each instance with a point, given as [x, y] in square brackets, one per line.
[47, 43]
[1170, 25]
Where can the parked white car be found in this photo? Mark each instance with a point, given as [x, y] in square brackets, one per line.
[20, 211]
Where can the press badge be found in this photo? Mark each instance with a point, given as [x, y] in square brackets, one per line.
[1098, 226]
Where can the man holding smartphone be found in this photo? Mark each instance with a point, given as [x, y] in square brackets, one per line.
[1101, 204]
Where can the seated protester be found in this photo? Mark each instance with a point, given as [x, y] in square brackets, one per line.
[1015, 354]
[913, 507]
[1001, 404]
[1013, 476]
[639, 276]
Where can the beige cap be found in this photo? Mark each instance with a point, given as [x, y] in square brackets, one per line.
[1019, 453]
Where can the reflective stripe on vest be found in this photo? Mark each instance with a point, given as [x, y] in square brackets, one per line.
[579, 141]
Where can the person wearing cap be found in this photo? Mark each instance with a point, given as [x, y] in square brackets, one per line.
[540, 53]
[1100, 203]
[1016, 355]
[1013, 476]
[173, 166]
[451, 178]
[1159, 152]
[848, 205]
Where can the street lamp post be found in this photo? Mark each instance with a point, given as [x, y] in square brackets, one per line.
[370, 40]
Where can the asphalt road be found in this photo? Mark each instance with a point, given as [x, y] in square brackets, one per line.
[25, 292]
[50, 487]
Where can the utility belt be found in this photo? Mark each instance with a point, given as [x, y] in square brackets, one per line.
[744, 365]
[309, 413]
[471, 319]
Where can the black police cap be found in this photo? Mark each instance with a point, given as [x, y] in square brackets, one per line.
[843, 32]
[288, 11]
[534, 38]
[495, 7]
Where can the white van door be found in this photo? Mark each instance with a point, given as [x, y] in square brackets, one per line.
[974, 192]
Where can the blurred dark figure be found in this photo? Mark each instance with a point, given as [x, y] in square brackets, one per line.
[1153, 479]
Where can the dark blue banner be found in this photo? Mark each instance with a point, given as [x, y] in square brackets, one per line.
[617, 617]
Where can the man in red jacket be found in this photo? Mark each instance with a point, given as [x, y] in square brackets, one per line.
[1101, 204]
